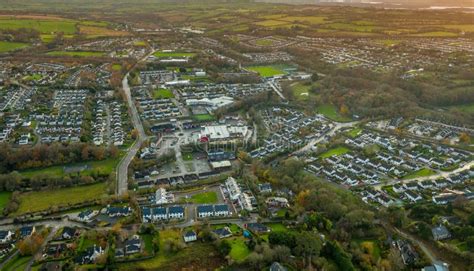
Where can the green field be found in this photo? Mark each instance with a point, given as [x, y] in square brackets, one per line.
[76, 53]
[334, 152]
[104, 167]
[42, 26]
[161, 54]
[468, 108]
[437, 34]
[239, 250]
[162, 93]
[264, 42]
[420, 173]
[330, 111]
[6, 46]
[203, 117]
[17, 263]
[4, 198]
[204, 198]
[301, 90]
[116, 67]
[354, 132]
[267, 71]
[44, 200]
[170, 261]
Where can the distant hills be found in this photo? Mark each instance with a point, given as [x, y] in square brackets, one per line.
[405, 3]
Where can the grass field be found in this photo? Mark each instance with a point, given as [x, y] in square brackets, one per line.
[331, 112]
[171, 261]
[468, 108]
[95, 31]
[6, 46]
[305, 19]
[204, 117]
[271, 23]
[264, 42]
[420, 173]
[267, 71]
[354, 132]
[42, 26]
[17, 263]
[104, 167]
[204, 198]
[301, 90]
[436, 34]
[161, 54]
[334, 152]
[44, 200]
[4, 198]
[162, 93]
[352, 27]
[116, 67]
[76, 53]
[239, 250]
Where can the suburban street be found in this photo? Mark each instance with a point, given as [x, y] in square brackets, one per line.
[122, 168]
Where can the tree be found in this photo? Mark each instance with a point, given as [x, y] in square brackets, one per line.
[344, 110]
[465, 138]
[315, 77]
[470, 243]
[308, 244]
[224, 247]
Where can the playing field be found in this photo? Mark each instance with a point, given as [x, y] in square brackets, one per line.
[267, 71]
[161, 54]
[76, 53]
[44, 200]
[6, 46]
[203, 117]
[301, 90]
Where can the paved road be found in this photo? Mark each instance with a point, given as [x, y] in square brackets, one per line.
[440, 174]
[332, 132]
[277, 89]
[122, 168]
[41, 248]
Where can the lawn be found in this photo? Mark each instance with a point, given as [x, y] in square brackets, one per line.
[277, 227]
[354, 132]
[204, 198]
[334, 152]
[4, 198]
[420, 173]
[44, 200]
[330, 111]
[239, 250]
[162, 54]
[104, 167]
[162, 93]
[148, 241]
[267, 71]
[187, 156]
[6, 46]
[76, 53]
[203, 117]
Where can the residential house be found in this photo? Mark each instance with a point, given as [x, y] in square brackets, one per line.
[6, 236]
[440, 232]
[190, 236]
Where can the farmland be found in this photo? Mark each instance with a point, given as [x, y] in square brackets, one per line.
[76, 53]
[6, 46]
